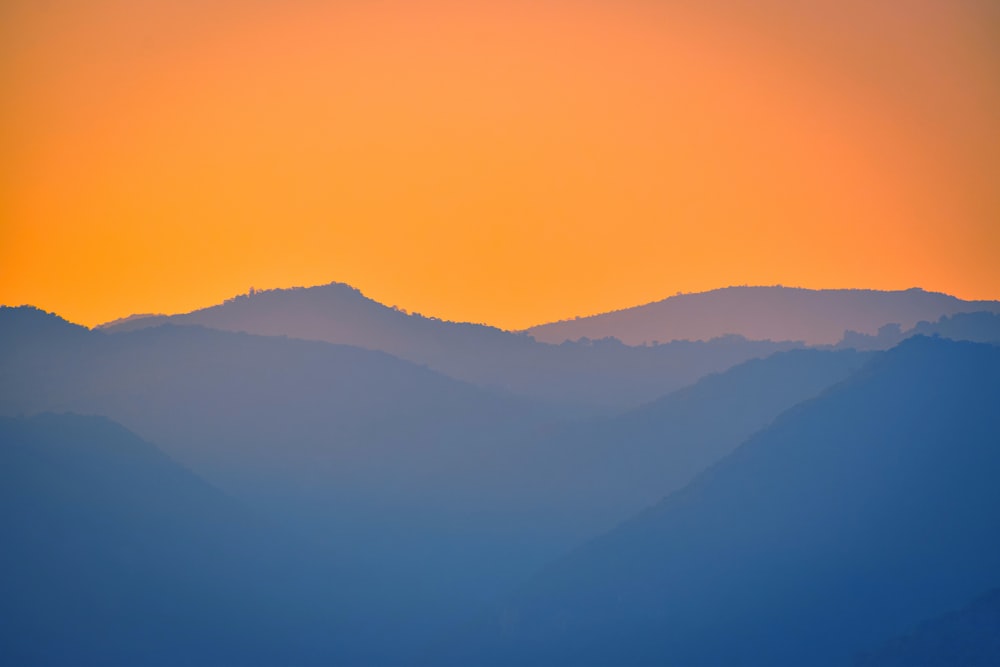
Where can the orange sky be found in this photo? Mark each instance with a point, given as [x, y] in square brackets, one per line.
[506, 162]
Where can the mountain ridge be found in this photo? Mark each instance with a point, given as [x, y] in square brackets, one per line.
[600, 374]
[814, 316]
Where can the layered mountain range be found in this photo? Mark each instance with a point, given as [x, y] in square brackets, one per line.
[667, 345]
[306, 476]
[848, 519]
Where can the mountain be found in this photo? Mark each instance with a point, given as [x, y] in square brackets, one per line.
[817, 317]
[847, 521]
[364, 451]
[115, 555]
[230, 405]
[439, 492]
[587, 476]
[595, 373]
[304, 424]
[979, 327]
[969, 637]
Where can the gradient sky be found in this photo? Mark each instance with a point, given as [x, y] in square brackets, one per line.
[505, 162]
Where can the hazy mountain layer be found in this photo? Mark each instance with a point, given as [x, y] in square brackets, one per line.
[592, 474]
[596, 373]
[817, 317]
[234, 405]
[115, 555]
[850, 519]
[979, 327]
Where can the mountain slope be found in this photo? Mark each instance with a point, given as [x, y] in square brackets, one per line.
[848, 520]
[601, 373]
[593, 474]
[817, 317]
[114, 554]
[969, 637]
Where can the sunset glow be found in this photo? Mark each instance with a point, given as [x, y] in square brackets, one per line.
[509, 163]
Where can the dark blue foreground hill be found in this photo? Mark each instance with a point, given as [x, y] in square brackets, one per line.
[968, 637]
[115, 555]
[849, 520]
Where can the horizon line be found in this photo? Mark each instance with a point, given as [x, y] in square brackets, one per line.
[253, 291]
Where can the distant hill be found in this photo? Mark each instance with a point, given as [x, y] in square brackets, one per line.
[597, 373]
[817, 317]
[969, 637]
[851, 518]
[115, 555]
[978, 327]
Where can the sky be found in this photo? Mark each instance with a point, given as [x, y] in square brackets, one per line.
[508, 162]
